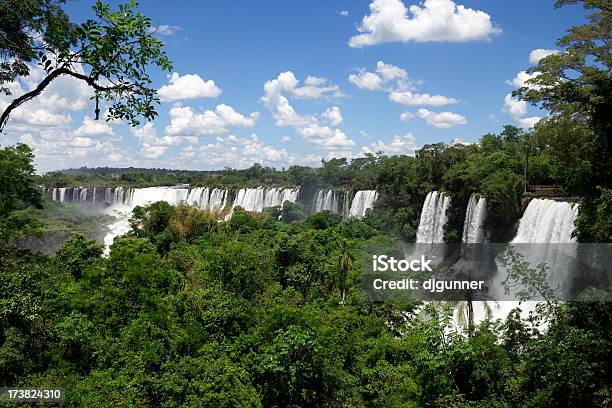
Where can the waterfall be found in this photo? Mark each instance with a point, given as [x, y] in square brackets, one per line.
[545, 224]
[256, 199]
[547, 221]
[217, 200]
[362, 201]
[433, 218]
[325, 201]
[473, 225]
[346, 204]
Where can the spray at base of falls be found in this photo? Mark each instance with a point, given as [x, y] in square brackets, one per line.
[119, 202]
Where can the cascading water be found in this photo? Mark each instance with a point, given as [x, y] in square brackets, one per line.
[543, 223]
[346, 204]
[473, 225]
[325, 201]
[547, 221]
[433, 218]
[256, 199]
[363, 201]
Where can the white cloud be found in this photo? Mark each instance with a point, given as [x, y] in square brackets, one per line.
[458, 142]
[366, 80]
[56, 148]
[165, 29]
[325, 137]
[344, 13]
[518, 109]
[400, 145]
[153, 147]
[184, 122]
[536, 55]
[442, 120]
[435, 20]
[285, 139]
[238, 153]
[386, 77]
[529, 122]
[514, 107]
[333, 116]
[94, 128]
[189, 86]
[521, 79]
[406, 116]
[410, 98]
[52, 107]
[310, 127]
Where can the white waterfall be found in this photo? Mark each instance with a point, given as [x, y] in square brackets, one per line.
[362, 201]
[346, 204]
[325, 201]
[473, 225]
[543, 222]
[256, 199]
[547, 221]
[433, 218]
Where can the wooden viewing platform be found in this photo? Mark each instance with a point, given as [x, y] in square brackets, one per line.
[552, 190]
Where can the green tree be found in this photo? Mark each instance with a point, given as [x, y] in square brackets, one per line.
[77, 253]
[17, 191]
[21, 23]
[576, 85]
[112, 53]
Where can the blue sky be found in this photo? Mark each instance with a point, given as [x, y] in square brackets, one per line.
[446, 66]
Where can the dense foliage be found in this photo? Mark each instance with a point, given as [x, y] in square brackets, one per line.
[267, 310]
[187, 311]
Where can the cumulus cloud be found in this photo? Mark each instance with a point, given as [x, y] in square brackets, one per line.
[400, 145]
[57, 148]
[536, 55]
[315, 130]
[94, 128]
[406, 116]
[441, 120]
[333, 116]
[326, 137]
[521, 79]
[385, 77]
[153, 147]
[184, 121]
[514, 107]
[518, 109]
[238, 153]
[166, 30]
[434, 20]
[189, 86]
[52, 107]
[410, 98]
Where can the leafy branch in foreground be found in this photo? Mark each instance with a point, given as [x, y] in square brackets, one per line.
[530, 282]
[112, 53]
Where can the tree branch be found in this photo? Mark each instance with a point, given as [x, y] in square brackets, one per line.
[44, 83]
